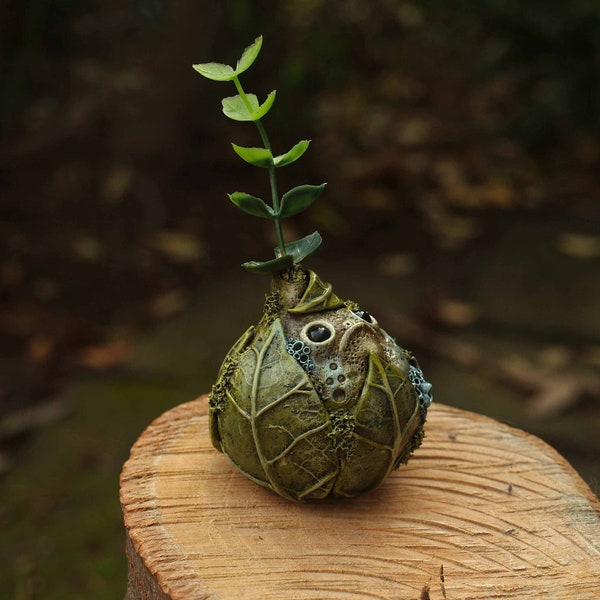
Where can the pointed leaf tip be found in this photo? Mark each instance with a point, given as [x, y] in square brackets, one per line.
[265, 107]
[249, 56]
[292, 155]
[251, 205]
[303, 247]
[299, 199]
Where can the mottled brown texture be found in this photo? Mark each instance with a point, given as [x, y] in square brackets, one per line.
[483, 511]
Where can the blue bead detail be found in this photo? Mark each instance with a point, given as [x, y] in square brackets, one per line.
[422, 387]
[301, 352]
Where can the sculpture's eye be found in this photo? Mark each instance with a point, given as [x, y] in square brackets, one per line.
[364, 315]
[318, 333]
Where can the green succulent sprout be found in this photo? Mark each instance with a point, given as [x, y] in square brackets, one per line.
[246, 107]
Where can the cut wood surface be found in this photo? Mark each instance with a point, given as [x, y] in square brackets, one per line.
[482, 511]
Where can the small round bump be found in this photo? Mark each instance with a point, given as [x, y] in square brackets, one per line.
[301, 352]
[422, 387]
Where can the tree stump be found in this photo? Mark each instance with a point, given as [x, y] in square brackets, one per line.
[482, 510]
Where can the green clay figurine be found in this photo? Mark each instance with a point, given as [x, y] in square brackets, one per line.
[316, 400]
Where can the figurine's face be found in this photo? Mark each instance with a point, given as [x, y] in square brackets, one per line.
[334, 347]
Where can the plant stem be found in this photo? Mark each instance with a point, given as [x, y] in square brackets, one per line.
[272, 177]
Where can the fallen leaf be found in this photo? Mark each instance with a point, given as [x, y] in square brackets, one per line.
[556, 357]
[450, 173]
[399, 264]
[562, 391]
[168, 304]
[579, 245]
[497, 194]
[179, 246]
[413, 132]
[376, 199]
[456, 312]
[105, 356]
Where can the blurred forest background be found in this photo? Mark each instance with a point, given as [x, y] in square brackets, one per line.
[461, 146]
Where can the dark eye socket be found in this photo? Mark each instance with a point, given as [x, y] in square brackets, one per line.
[318, 333]
[364, 315]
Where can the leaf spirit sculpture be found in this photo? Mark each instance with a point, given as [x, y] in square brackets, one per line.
[317, 399]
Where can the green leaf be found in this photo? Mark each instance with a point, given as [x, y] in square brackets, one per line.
[303, 247]
[265, 107]
[221, 72]
[259, 157]
[252, 205]
[299, 199]
[270, 266]
[292, 155]
[235, 108]
[249, 56]
[215, 71]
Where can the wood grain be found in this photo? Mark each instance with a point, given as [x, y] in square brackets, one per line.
[481, 511]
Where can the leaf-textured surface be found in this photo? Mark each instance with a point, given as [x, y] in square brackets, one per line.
[275, 421]
[386, 415]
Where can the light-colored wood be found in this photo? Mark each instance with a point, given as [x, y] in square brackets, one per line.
[482, 511]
